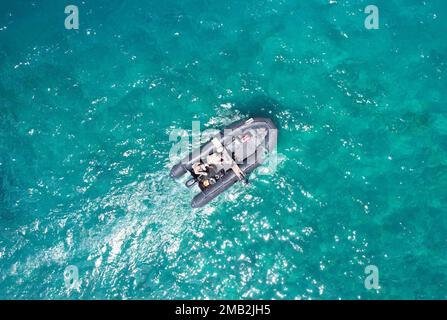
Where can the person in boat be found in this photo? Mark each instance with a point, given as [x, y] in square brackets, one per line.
[208, 173]
[200, 169]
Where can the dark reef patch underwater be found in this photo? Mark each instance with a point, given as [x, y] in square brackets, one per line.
[85, 117]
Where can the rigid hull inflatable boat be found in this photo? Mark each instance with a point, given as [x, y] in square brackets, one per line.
[227, 158]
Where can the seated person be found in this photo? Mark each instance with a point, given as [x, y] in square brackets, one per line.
[200, 169]
[208, 172]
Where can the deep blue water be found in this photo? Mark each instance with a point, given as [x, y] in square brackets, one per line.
[85, 119]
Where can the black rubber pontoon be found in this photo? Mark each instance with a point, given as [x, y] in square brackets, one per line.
[228, 157]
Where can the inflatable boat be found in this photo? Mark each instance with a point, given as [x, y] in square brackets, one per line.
[227, 158]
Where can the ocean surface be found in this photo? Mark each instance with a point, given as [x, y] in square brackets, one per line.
[85, 119]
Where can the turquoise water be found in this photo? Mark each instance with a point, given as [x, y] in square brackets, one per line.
[84, 142]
